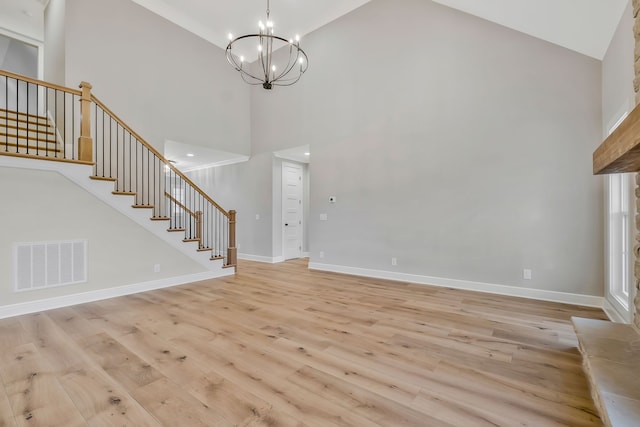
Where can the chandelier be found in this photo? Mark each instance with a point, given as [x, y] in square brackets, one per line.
[280, 61]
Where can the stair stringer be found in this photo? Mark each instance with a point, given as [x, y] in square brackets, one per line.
[80, 175]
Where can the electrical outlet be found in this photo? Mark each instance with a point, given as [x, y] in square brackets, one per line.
[394, 261]
[526, 274]
[257, 216]
[323, 217]
[156, 268]
[321, 254]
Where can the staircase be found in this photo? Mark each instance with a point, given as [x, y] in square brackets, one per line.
[28, 134]
[39, 120]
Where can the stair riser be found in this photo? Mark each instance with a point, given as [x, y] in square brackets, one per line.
[43, 131]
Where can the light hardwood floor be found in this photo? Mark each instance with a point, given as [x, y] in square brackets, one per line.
[279, 345]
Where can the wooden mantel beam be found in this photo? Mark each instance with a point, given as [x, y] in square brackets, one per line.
[620, 152]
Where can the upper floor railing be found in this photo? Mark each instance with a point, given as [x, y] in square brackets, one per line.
[46, 120]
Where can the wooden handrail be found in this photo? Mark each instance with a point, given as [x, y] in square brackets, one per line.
[39, 82]
[177, 202]
[157, 154]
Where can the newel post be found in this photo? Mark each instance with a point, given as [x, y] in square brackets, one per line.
[199, 228]
[232, 254]
[85, 143]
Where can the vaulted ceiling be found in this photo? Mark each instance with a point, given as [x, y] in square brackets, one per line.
[585, 26]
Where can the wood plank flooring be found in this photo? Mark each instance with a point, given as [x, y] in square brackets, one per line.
[279, 345]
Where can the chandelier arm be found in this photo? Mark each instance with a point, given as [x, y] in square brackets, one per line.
[241, 70]
[256, 83]
[265, 70]
[290, 64]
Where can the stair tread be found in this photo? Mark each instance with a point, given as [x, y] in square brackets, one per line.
[4, 135]
[160, 218]
[103, 178]
[174, 230]
[35, 148]
[142, 206]
[46, 128]
[124, 193]
[4, 111]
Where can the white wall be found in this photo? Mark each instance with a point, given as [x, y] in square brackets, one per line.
[618, 73]
[458, 146]
[254, 188]
[19, 57]
[44, 206]
[163, 81]
[54, 42]
[245, 187]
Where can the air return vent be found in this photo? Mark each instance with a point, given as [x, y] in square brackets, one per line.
[49, 264]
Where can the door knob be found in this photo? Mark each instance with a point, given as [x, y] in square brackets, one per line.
[286, 224]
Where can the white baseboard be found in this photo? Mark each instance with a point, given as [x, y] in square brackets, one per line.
[613, 314]
[306, 254]
[68, 300]
[539, 294]
[259, 258]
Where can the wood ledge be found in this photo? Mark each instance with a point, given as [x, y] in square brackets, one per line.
[620, 152]
[44, 157]
[611, 359]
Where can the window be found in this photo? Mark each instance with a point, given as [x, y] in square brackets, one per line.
[619, 244]
[620, 254]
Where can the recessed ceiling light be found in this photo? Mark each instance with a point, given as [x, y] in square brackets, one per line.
[190, 154]
[307, 154]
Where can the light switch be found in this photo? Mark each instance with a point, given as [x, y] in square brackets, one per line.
[323, 217]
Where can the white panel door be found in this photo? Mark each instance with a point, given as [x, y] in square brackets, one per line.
[292, 210]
